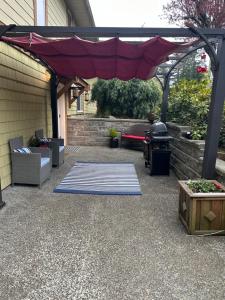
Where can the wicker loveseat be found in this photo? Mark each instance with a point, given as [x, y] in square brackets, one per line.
[29, 168]
[55, 144]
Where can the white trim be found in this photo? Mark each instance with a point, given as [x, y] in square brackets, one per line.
[41, 12]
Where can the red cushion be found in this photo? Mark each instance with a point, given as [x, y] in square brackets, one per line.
[133, 137]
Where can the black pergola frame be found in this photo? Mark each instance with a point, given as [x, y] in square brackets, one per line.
[218, 90]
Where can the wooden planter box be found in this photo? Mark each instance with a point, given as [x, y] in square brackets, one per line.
[202, 213]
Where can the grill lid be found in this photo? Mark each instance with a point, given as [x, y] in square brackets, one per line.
[158, 129]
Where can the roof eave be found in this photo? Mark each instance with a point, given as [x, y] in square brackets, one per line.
[81, 11]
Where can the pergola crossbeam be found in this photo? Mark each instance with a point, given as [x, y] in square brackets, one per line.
[64, 31]
[206, 35]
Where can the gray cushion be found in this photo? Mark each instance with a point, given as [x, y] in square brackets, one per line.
[44, 161]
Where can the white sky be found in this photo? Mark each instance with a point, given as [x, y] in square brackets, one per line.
[129, 13]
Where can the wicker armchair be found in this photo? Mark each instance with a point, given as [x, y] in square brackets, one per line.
[56, 145]
[29, 168]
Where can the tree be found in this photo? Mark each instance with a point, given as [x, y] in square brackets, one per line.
[202, 13]
[127, 99]
[188, 67]
[189, 105]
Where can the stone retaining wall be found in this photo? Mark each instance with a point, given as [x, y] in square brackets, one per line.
[95, 131]
[187, 155]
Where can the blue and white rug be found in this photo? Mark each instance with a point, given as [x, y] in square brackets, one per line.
[71, 148]
[100, 179]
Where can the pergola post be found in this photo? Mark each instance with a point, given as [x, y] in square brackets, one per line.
[215, 115]
[164, 106]
[54, 105]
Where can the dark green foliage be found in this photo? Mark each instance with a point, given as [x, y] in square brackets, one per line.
[125, 99]
[189, 104]
[34, 142]
[204, 186]
[188, 69]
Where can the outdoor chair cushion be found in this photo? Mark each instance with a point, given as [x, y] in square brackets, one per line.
[44, 161]
[23, 150]
[29, 165]
[55, 144]
[133, 137]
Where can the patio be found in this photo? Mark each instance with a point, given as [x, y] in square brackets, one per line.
[65, 246]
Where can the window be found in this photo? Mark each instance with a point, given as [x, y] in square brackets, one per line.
[40, 12]
[79, 104]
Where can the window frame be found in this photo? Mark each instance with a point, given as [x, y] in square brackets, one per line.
[36, 13]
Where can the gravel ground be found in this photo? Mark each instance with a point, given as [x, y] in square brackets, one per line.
[65, 246]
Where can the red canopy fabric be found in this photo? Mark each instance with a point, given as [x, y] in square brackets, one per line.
[108, 59]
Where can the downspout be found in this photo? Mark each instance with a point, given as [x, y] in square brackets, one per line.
[54, 105]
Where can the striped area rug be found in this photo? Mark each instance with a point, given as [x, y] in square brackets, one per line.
[100, 179]
[71, 149]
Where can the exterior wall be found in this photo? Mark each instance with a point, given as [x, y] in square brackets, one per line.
[94, 131]
[17, 12]
[57, 13]
[88, 106]
[24, 84]
[22, 12]
[24, 102]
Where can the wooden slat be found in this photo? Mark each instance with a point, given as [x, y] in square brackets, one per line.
[198, 215]
[217, 208]
[205, 208]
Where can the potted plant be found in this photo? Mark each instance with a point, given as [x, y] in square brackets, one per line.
[114, 140]
[202, 206]
[34, 142]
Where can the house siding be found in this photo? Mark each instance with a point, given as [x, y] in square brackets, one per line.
[88, 107]
[24, 102]
[57, 13]
[18, 12]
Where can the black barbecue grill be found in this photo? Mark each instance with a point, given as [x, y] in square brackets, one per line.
[156, 149]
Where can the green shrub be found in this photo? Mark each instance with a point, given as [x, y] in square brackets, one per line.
[126, 99]
[189, 105]
[204, 186]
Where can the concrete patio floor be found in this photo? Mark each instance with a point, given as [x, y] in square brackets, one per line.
[64, 246]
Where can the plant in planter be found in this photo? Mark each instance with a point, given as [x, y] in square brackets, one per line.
[34, 142]
[202, 206]
[114, 140]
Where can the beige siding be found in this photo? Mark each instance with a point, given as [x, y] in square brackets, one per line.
[17, 12]
[24, 84]
[57, 13]
[24, 102]
[88, 106]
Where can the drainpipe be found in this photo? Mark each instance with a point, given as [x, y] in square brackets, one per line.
[54, 105]
[164, 107]
[2, 203]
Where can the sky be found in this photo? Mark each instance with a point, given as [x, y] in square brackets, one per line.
[129, 13]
